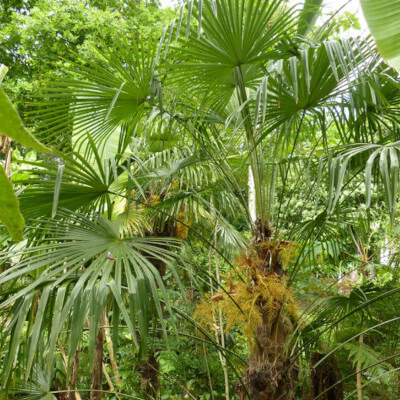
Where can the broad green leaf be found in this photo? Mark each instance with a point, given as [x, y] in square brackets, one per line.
[12, 126]
[383, 21]
[308, 16]
[10, 215]
[3, 71]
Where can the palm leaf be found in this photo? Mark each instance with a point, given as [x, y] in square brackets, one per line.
[308, 16]
[233, 35]
[102, 95]
[383, 23]
[12, 126]
[75, 271]
[10, 214]
[388, 171]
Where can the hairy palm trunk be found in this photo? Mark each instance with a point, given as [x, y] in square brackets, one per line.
[269, 374]
[149, 376]
[73, 376]
[325, 378]
[149, 369]
[97, 371]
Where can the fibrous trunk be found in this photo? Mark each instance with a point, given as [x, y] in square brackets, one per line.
[97, 387]
[270, 375]
[325, 378]
[149, 371]
[5, 147]
[73, 376]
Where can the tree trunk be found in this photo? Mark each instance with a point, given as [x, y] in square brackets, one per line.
[72, 378]
[218, 322]
[149, 369]
[5, 142]
[324, 377]
[5, 147]
[97, 372]
[269, 375]
[149, 378]
[111, 355]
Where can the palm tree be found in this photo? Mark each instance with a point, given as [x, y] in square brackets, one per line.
[252, 52]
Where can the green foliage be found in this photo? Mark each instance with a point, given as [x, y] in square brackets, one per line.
[34, 39]
[10, 214]
[383, 25]
[308, 16]
[388, 169]
[364, 355]
[12, 126]
[141, 211]
[70, 295]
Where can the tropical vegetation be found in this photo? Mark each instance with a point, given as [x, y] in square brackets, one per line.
[198, 202]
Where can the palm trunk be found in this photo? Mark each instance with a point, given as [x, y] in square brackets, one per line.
[218, 322]
[73, 377]
[97, 372]
[71, 393]
[269, 374]
[108, 379]
[6, 148]
[110, 347]
[150, 369]
[5, 142]
[149, 378]
[325, 378]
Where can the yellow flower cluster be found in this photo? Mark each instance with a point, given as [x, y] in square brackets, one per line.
[154, 200]
[182, 226]
[250, 304]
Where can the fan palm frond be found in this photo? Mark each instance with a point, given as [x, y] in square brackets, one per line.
[102, 95]
[75, 183]
[81, 262]
[249, 34]
[38, 387]
[385, 155]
